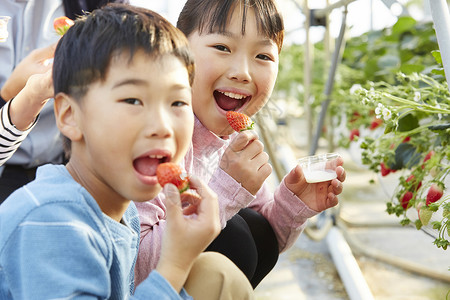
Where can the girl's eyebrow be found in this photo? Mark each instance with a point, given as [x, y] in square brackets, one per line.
[262, 42]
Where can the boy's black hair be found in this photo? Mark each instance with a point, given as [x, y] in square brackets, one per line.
[212, 16]
[84, 53]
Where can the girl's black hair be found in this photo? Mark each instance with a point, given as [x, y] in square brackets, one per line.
[84, 53]
[212, 16]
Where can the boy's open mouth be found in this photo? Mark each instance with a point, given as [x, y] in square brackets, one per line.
[230, 101]
[146, 165]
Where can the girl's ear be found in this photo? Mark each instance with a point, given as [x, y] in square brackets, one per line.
[66, 109]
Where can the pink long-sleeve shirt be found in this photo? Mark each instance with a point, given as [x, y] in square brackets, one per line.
[286, 213]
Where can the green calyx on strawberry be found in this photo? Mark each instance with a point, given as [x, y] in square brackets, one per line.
[172, 173]
[239, 121]
[62, 24]
[435, 193]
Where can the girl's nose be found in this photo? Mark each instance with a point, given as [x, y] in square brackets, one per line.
[240, 70]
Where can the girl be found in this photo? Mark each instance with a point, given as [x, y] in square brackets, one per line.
[236, 44]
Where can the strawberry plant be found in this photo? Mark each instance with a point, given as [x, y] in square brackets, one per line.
[416, 138]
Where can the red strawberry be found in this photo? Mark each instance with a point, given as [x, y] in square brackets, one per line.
[354, 133]
[384, 169]
[435, 193]
[413, 179]
[405, 199]
[62, 24]
[406, 139]
[238, 121]
[375, 123]
[427, 157]
[355, 117]
[172, 173]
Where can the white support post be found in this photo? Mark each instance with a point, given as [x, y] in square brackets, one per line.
[441, 20]
[347, 267]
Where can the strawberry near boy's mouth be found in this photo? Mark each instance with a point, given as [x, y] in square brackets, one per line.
[147, 165]
[230, 101]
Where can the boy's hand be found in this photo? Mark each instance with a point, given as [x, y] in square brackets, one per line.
[317, 196]
[32, 64]
[186, 237]
[246, 161]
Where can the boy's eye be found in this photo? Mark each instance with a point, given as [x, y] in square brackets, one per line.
[221, 48]
[179, 103]
[264, 57]
[132, 101]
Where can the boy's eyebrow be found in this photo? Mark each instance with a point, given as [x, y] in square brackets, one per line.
[132, 81]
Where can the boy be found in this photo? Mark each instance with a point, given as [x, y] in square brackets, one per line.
[74, 232]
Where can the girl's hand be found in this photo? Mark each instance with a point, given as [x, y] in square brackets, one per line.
[246, 161]
[317, 196]
[186, 237]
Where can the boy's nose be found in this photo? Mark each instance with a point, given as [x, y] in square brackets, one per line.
[158, 125]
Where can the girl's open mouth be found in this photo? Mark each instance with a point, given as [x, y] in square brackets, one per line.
[230, 101]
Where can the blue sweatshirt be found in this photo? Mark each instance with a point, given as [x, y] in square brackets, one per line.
[56, 243]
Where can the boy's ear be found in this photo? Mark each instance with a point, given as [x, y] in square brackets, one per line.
[66, 109]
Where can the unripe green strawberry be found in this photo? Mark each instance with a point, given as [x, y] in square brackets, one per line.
[172, 173]
[424, 214]
[239, 121]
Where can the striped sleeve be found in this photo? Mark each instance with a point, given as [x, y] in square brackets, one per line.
[10, 136]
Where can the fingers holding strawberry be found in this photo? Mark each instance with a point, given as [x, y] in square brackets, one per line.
[246, 161]
[171, 173]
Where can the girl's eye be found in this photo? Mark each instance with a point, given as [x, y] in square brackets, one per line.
[221, 48]
[264, 57]
[132, 101]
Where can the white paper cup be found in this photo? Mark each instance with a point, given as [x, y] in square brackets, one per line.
[4, 28]
[319, 168]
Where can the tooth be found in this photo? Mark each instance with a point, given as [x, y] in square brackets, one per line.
[233, 95]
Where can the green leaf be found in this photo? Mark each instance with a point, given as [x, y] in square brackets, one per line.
[403, 24]
[409, 68]
[437, 56]
[389, 61]
[407, 123]
[406, 156]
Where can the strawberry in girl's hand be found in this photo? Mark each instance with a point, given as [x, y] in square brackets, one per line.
[172, 173]
[62, 24]
[435, 193]
[239, 121]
